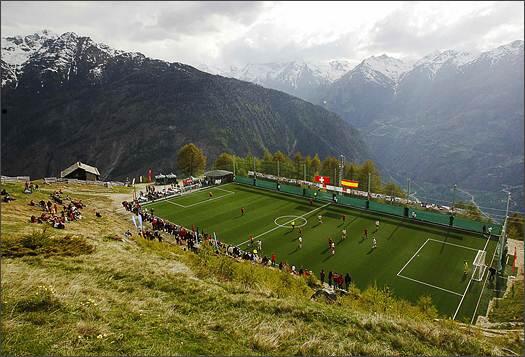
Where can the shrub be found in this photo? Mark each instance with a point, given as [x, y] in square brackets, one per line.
[42, 243]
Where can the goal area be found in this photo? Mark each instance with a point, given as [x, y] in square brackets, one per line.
[479, 265]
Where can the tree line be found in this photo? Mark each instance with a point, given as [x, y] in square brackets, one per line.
[192, 161]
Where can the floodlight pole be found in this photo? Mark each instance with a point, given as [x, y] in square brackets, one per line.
[304, 166]
[234, 166]
[408, 191]
[341, 169]
[508, 205]
[454, 198]
[277, 168]
[369, 175]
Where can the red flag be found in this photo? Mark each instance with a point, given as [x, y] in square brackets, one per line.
[322, 179]
[514, 261]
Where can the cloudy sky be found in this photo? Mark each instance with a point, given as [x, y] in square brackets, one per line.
[235, 33]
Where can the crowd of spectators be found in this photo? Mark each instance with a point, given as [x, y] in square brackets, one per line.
[193, 240]
[56, 211]
[153, 193]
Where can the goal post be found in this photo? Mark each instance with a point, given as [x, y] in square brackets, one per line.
[479, 265]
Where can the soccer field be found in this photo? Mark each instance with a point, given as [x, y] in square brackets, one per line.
[411, 258]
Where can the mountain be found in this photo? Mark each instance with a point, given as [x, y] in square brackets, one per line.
[451, 118]
[298, 78]
[77, 100]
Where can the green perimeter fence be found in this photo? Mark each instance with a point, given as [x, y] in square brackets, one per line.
[394, 210]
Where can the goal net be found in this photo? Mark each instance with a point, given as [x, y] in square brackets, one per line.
[479, 265]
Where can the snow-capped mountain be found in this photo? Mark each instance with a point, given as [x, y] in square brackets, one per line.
[73, 99]
[52, 57]
[17, 49]
[298, 78]
[461, 112]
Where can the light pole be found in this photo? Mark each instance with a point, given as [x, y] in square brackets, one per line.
[408, 190]
[304, 167]
[454, 198]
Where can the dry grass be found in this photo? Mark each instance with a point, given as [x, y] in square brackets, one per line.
[148, 298]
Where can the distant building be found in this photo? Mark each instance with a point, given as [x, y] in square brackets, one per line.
[81, 171]
[221, 176]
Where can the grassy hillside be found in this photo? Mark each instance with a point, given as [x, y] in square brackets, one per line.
[138, 297]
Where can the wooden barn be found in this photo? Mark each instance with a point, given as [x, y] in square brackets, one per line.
[81, 171]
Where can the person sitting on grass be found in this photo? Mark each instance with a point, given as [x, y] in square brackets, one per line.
[98, 214]
[8, 198]
[3, 192]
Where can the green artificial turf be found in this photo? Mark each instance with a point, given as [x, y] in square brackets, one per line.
[436, 270]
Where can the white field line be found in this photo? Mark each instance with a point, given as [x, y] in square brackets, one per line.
[176, 195]
[176, 204]
[463, 297]
[457, 245]
[404, 266]
[482, 289]
[284, 224]
[427, 284]
[198, 203]
[222, 189]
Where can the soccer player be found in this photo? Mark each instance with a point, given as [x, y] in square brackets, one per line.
[465, 267]
[377, 225]
[251, 240]
[366, 233]
[374, 243]
[300, 239]
[259, 245]
[343, 234]
[300, 231]
[329, 243]
[273, 259]
[242, 211]
[311, 202]
[320, 218]
[293, 225]
[322, 276]
[333, 248]
[492, 273]
[343, 217]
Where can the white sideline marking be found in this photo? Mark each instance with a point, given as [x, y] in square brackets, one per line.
[284, 224]
[463, 297]
[427, 284]
[198, 203]
[456, 245]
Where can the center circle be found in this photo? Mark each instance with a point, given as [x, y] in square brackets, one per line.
[287, 220]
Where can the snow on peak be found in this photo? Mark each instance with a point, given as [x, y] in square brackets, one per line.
[514, 48]
[390, 67]
[437, 59]
[16, 50]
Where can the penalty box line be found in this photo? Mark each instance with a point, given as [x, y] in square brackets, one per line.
[422, 282]
[198, 203]
[284, 224]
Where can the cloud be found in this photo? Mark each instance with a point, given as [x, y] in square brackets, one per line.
[407, 30]
[237, 33]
